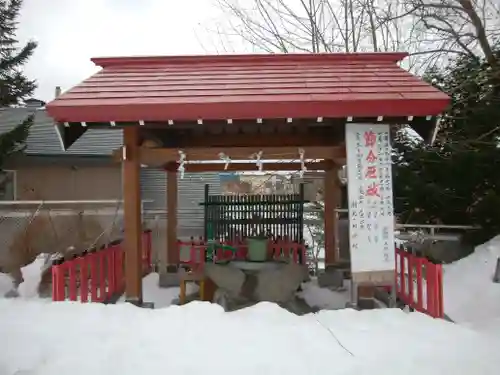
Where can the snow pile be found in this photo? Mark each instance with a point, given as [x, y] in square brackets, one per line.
[161, 297]
[323, 298]
[470, 296]
[265, 339]
[32, 274]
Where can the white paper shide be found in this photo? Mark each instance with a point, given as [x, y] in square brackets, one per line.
[369, 177]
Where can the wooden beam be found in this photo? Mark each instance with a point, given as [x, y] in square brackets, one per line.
[258, 140]
[132, 216]
[331, 195]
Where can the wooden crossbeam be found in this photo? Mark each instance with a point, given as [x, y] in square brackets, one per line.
[258, 140]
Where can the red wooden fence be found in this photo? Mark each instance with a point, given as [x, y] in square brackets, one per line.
[95, 276]
[277, 249]
[419, 283]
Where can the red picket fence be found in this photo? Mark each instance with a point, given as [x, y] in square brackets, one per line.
[419, 283]
[277, 249]
[95, 276]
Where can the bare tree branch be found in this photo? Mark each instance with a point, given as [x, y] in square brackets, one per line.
[468, 24]
[431, 31]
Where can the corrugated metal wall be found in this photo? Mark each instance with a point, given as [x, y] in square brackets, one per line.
[191, 194]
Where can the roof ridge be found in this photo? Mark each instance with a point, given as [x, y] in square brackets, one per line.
[389, 57]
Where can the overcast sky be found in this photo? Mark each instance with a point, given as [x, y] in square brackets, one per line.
[70, 32]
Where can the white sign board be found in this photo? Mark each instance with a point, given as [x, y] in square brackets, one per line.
[369, 179]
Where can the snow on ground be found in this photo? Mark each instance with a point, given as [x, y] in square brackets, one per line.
[161, 297]
[64, 338]
[470, 296]
[122, 339]
[201, 337]
[323, 298]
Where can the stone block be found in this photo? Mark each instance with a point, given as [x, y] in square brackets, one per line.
[168, 279]
[366, 303]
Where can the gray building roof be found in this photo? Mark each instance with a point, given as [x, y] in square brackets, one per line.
[44, 139]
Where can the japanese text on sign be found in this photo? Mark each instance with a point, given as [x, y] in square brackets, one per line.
[370, 197]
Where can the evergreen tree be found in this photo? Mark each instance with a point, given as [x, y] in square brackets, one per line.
[456, 180]
[14, 85]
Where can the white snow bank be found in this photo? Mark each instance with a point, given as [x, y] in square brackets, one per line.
[470, 296]
[199, 338]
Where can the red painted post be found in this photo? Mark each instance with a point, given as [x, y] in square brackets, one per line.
[402, 270]
[178, 247]
[110, 261]
[431, 290]
[72, 266]
[119, 267]
[242, 252]
[58, 282]
[419, 262]
[411, 279]
[439, 287]
[92, 257]
[102, 275]
[84, 277]
[396, 274]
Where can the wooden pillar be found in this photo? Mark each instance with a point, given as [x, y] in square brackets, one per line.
[331, 195]
[132, 215]
[172, 197]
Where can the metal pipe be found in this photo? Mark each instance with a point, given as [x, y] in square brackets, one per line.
[436, 226]
[20, 203]
[434, 237]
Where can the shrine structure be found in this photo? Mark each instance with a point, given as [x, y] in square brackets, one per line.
[320, 109]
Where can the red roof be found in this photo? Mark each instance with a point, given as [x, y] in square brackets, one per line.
[248, 87]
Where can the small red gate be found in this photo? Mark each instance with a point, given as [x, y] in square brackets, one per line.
[419, 283]
[95, 276]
